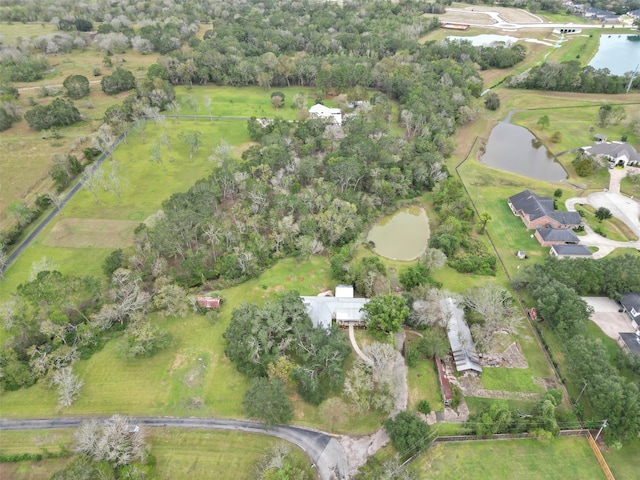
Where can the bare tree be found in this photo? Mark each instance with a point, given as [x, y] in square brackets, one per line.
[93, 181]
[191, 104]
[155, 154]
[117, 440]
[114, 183]
[208, 107]
[192, 139]
[128, 298]
[4, 258]
[499, 315]
[68, 386]
[427, 308]
[43, 265]
[434, 258]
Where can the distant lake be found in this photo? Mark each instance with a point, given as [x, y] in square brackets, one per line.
[617, 53]
[515, 149]
[486, 40]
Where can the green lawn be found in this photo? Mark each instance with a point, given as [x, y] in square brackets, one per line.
[559, 458]
[476, 404]
[509, 379]
[178, 452]
[624, 462]
[423, 385]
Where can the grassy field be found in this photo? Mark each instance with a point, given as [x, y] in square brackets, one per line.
[178, 452]
[423, 385]
[613, 228]
[560, 458]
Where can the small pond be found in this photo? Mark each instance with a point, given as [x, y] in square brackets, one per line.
[486, 40]
[618, 53]
[515, 149]
[401, 236]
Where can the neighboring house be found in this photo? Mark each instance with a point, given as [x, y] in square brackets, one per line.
[631, 341]
[631, 304]
[570, 251]
[618, 152]
[462, 346]
[536, 211]
[343, 308]
[320, 111]
[209, 302]
[556, 236]
[635, 14]
[602, 15]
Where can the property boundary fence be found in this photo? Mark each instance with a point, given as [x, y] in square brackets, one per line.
[600, 458]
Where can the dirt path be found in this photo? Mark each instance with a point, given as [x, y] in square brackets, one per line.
[356, 348]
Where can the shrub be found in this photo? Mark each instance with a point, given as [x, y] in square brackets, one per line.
[408, 433]
[424, 407]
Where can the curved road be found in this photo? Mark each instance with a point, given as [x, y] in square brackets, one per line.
[325, 452]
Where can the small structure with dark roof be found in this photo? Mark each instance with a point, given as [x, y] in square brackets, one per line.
[536, 211]
[556, 236]
[631, 305]
[599, 138]
[570, 251]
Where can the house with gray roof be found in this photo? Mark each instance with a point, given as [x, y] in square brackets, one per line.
[556, 236]
[631, 305]
[620, 153]
[631, 342]
[343, 308]
[570, 251]
[536, 211]
[462, 346]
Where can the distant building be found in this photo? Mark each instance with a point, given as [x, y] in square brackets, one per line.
[209, 302]
[570, 251]
[556, 236]
[536, 211]
[620, 153]
[462, 346]
[631, 342]
[332, 114]
[343, 308]
[631, 305]
[635, 14]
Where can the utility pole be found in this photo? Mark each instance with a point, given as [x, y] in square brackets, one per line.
[604, 424]
[633, 75]
[581, 392]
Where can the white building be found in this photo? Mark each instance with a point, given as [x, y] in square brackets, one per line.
[320, 111]
[343, 308]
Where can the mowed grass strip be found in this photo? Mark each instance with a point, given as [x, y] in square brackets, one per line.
[83, 233]
[206, 454]
[559, 458]
[509, 379]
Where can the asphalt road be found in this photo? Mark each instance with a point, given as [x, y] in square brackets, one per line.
[325, 452]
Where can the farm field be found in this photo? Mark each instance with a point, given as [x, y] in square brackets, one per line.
[559, 458]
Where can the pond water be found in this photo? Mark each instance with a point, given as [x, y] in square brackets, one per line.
[401, 236]
[617, 53]
[515, 149]
[486, 40]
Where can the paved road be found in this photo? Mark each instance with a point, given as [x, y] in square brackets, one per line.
[325, 452]
[622, 207]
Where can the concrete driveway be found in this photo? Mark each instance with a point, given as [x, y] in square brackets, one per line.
[606, 316]
[622, 207]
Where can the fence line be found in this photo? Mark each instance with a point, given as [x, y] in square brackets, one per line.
[600, 458]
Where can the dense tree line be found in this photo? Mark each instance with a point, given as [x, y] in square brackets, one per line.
[556, 286]
[571, 77]
[58, 113]
[278, 340]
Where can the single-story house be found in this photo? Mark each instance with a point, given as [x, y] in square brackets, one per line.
[570, 251]
[631, 342]
[620, 153]
[343, 308]
[209, 302]
[536, 211]
[462, 346]
[635, 14]
[556, 236]
[332, 114]
[631, 304]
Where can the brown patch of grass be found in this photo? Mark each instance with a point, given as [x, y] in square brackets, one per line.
[91, 233]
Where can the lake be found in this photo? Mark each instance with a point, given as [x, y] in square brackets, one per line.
[617, 53]
[515, 149]
[401, 236]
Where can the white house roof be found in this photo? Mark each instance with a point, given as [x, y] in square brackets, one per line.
[462, 346]
[344, 291]
[320, 111]
[323, 310]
